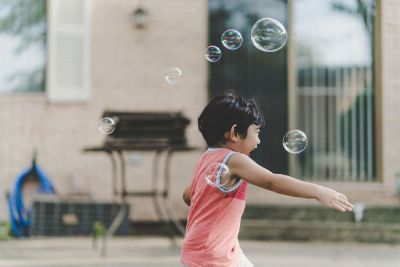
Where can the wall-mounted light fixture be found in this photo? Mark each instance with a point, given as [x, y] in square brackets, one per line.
[140, 18]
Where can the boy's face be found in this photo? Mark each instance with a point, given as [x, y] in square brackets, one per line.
[251, 141]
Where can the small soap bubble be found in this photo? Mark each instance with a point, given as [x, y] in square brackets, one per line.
[232, 39]
[213, 53]
[295, 141]
[106, 125]
[173, 75]
[217, 175]
[268, 35]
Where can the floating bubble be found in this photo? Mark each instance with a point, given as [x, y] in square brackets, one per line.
[268, 35]
[213, 53]
[232, 39]
[173, 75]
[295, 141]
[106, 125]
[217, 175]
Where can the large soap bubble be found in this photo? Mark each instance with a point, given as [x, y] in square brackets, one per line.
[217, 175]
[295, 141]
[232, 39]
[268, 35]
[106, 125]
[213, 53]
[173, 75]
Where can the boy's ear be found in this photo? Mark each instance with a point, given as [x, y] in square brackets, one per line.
[231, 134]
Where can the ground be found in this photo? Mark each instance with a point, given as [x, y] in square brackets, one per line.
[158, 252]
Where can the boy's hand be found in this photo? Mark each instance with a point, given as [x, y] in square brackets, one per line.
[332, 199]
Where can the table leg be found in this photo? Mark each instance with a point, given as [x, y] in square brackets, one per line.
[114, 226]
[167, 202]
[154, 185]
[122, 174]
[124, 206]
[114, 171]
[159, 201]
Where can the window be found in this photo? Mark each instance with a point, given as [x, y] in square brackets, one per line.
[68, 49]
[253, 73]
[32, 29]
[333, 94]
[23, 45]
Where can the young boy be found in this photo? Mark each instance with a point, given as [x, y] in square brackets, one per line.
[230, 125]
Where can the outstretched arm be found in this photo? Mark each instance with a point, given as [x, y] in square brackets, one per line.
[244, 167]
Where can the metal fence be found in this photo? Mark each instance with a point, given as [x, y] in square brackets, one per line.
[335, 108]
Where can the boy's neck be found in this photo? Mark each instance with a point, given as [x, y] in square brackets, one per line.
[227, 145]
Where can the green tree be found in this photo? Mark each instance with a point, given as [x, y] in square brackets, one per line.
[25, 19]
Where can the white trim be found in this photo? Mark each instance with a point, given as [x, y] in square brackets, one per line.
[67, 93]
[218, 180]
[212, 149]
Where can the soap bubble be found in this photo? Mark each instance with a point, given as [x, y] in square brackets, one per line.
[232, 39]
[268, 35]
[295, 141]
[213, 53]
[217, 175]
[106, 125]
[173, 75]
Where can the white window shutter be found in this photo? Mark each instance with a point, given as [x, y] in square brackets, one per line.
[68, 38]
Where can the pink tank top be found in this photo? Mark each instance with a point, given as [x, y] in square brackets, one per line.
[213, 223]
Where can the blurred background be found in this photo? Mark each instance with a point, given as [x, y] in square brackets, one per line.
[66, 62]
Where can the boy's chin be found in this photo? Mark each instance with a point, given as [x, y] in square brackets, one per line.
[251, 152]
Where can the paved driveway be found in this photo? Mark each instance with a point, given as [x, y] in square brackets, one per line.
[158, 252]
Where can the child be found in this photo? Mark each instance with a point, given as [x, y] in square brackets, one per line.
[230, 125]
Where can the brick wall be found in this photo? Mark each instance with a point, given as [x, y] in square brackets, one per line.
[127, 67]
[127, 73]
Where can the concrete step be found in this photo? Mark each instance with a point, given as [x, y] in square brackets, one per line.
[375, 224]
[366, 213]
[316, 230]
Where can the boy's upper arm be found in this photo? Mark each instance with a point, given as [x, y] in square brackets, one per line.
[247, 169]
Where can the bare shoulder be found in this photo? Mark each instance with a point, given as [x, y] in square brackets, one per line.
[246, 168]
[239, 159]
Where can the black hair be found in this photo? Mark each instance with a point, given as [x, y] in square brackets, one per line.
[224, 111]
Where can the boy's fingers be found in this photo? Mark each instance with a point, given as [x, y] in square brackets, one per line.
[346, 204]
[351, 206]
[343, 197]
[343, 206]
[338, 207]
[343, 200]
